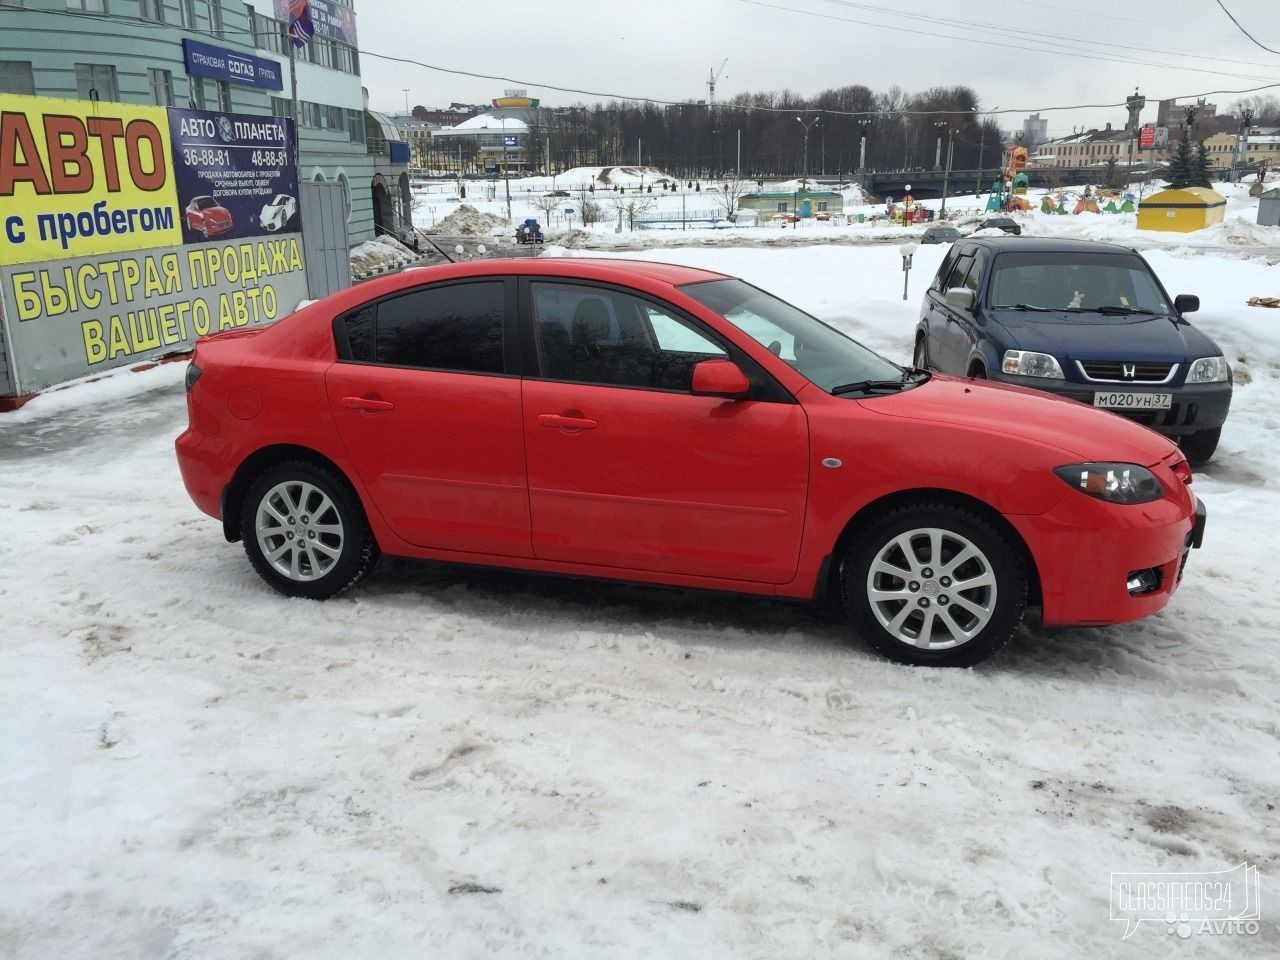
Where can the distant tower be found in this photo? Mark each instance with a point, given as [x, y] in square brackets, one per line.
[1134, 105]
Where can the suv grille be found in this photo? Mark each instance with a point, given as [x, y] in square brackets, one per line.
[1126, 371]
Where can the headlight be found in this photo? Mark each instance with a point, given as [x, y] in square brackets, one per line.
[1028, 364]
[1113, 482]
[1209, 370]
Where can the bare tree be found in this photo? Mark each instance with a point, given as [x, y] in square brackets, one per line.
[727, 199]
[589, 210]
[548, 206]
[632, 207]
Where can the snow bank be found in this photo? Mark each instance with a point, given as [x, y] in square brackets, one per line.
[380, 255]
[467, 221]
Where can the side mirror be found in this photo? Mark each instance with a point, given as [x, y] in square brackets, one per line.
[1186, 303]
[960, 297]
[720, 378]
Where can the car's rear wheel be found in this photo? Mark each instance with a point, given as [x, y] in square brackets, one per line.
[1201, 445]
[935, 585]
[305, 531]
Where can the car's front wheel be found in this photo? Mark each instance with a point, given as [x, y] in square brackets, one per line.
[1201, 445]
[305, 532]
[933, 584]
[920, 357]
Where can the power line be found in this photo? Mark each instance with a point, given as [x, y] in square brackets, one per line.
[1052, 39]
[604, 95]
[1241, 28]
[1064, 52]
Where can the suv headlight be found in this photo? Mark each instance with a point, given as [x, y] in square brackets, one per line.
[1113, 482]
[1209, 370]
[1025, 363]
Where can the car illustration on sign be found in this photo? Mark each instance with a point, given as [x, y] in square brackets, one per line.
[208, 217]
[663, 424]
[276, 215]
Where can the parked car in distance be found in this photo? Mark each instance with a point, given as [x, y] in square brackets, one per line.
[663, 424]
[276, 215]
[529, 232]
[1084, 320]
[943, 233]
[1003, 224]
[208, 217]
[557, 193]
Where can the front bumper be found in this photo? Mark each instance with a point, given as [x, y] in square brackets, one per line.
[1086, 552]
[1195, 407]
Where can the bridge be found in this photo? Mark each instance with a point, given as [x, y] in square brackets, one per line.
[927, 184]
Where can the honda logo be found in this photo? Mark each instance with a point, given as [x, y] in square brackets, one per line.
[1129, 370]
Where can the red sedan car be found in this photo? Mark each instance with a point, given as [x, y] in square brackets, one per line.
[662, 424]
[208, 217]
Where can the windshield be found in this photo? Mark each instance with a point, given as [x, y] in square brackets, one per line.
[1075, 282]
[824, 355]
[204, 203]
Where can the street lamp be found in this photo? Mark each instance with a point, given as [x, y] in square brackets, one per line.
[982, 143]
[807, 127]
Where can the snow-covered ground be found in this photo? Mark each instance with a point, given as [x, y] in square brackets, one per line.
[436, 201]
[457, 763]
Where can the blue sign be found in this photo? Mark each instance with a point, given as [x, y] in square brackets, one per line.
[219, 63]
[235, 174]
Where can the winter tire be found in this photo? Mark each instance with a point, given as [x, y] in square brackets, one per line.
[934, 585]
[305, 532]
[1200, 446]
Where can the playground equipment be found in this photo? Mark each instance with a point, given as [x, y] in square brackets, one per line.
[1088, 203]
[1009, 192]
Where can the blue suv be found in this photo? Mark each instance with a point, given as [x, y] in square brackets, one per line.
[1084, 320]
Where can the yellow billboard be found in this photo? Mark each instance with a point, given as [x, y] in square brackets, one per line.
[79, 178]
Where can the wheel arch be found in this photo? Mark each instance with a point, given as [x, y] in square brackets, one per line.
[829, 582]
[264, 459]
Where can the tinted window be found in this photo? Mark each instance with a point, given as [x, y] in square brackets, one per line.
[593, 335]
[958, 272]
[455, 327]
[974, 276]
[944, 270]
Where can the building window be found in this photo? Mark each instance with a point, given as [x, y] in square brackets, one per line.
[224, 96]
[96, 79]
[15, 77]
[336, 119]
[215, 16]
[280, 107]
[88, 6]
[161, 83]
[782, 206]
[355, 125]
[195, 95]
[189, 14]
[152, 10]
[822, 205]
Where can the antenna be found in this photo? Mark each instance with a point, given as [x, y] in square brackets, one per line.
[713, 75]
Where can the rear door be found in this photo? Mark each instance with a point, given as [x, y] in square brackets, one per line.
[426, 398]
[628, 469]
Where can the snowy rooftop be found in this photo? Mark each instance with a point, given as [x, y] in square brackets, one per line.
[485, 122]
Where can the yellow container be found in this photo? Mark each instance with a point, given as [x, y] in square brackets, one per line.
[1182, 211]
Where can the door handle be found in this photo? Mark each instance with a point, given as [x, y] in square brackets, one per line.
[558, 421]
[370, 404]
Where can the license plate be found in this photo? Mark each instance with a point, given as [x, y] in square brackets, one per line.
[1119, 400]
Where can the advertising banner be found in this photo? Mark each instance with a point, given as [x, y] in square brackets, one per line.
[79, 178]
[219, 63]
[331, 20]
[235, 174]
[71, 317]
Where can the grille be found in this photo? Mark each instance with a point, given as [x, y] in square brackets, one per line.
[1114, 370]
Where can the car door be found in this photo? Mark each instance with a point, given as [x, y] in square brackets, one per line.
[966, 325]
[946, 355]
[628, 468]
[426, 398]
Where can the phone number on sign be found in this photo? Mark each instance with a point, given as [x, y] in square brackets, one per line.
[267, 158]
[206, 158]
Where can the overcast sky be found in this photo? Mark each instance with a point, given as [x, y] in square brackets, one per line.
[1045, 53]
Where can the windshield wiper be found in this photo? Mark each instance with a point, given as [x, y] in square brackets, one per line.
[1115, 311]
[881, 386]
[1023, 306]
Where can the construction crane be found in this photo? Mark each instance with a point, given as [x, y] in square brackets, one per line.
[713, 75]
